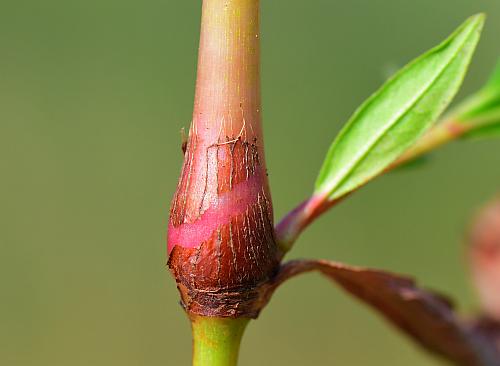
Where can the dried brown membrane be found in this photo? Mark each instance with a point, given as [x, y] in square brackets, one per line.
[229, 272]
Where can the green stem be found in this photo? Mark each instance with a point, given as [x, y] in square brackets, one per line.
[216, 341]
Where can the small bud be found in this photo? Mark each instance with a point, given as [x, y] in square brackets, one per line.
[484, 256]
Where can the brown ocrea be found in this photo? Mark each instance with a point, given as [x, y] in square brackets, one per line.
[220, 237]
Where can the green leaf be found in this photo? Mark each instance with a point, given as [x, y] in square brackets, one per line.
[481, 112]
[494, 81]
[487, 126]
[486, 131]
[393, 118]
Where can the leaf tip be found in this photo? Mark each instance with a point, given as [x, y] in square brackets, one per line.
[477, 20]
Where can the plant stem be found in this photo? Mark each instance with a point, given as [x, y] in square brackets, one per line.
[216, 341]
[227, 100]
[223, 187]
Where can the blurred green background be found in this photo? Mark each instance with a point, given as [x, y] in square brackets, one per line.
[92, 97]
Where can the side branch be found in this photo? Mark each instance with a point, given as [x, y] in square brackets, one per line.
[292, 225]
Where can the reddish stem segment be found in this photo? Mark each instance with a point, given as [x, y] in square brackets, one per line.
[225, 140]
